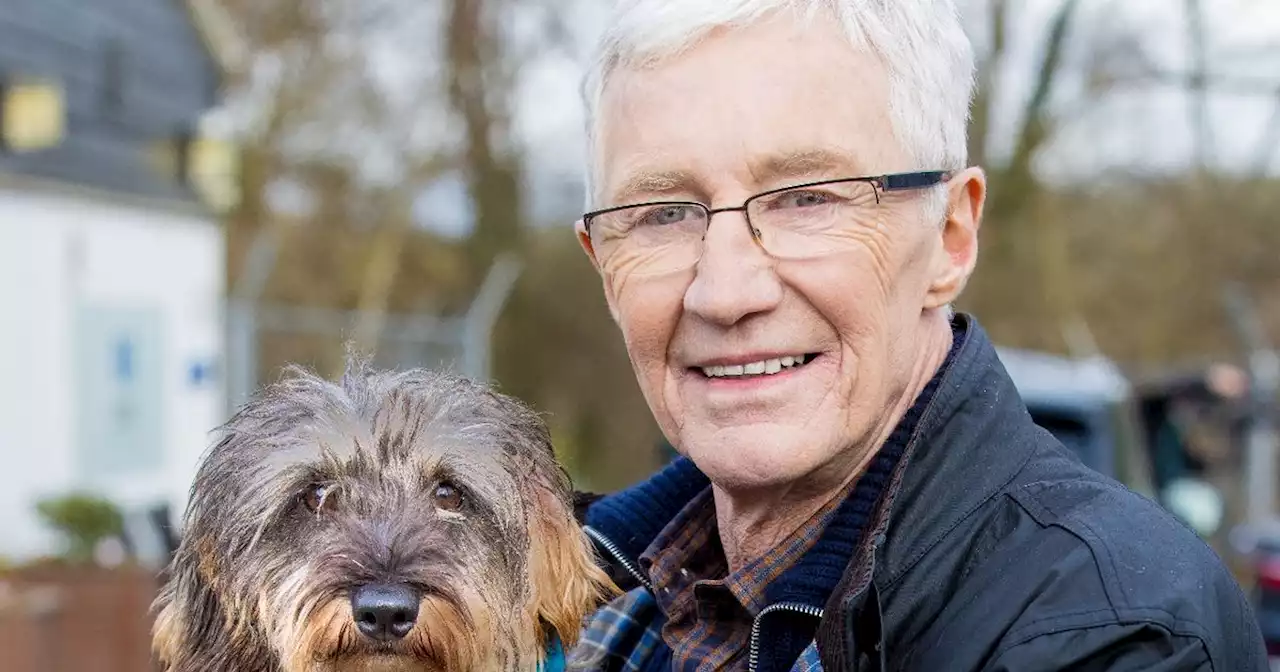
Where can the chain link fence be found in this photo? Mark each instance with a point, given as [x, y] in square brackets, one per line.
[262, 336]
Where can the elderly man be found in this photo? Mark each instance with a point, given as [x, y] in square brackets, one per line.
[781, 217]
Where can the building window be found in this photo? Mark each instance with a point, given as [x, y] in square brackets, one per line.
[32, 114]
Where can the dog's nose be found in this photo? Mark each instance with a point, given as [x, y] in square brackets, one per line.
[384, 611]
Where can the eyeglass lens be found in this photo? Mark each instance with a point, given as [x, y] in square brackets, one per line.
[796, 223]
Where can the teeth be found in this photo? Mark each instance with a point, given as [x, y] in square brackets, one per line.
[765, 367]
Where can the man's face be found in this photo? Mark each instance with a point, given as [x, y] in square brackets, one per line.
[748, 110]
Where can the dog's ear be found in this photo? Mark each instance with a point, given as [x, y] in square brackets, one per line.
[190, 628]
[567, 582]
[184, 603]
[166, 632]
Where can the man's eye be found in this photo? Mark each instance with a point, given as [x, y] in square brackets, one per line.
[665, 215]
[801, 199]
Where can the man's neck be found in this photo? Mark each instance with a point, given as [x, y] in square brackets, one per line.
[752, 523]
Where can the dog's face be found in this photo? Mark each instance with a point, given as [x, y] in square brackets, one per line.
[411, 521]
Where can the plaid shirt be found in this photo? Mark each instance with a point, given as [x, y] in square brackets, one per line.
[708, 610]
[626, 636]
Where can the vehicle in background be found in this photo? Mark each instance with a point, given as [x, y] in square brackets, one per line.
[1267, 600]
[1092, 408]
[1258, 546]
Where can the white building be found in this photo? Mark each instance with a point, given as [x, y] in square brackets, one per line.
[111, 263]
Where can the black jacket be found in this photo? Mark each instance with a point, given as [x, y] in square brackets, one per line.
[995, 549]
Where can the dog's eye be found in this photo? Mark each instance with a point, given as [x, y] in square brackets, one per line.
[318, 496]
[448, 497]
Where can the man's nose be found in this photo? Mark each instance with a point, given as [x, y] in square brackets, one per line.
[734, 278]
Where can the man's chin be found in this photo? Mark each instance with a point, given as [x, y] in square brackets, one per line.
[750, 466]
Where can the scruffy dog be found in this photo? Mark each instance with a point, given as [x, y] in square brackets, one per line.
[398, 522]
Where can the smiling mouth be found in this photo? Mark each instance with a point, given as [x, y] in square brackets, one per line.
[764, 367]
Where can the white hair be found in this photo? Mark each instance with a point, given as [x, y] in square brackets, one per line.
[928, 58]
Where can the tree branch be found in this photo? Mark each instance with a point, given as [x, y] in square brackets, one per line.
[1196, 91]
[1035, 120]
[980, 124]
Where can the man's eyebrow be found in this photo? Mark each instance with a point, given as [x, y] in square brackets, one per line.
[646, 184]
[802, 163]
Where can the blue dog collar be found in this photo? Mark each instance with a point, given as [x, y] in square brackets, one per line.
[554, 661]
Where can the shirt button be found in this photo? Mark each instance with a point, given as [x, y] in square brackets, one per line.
[684, 573]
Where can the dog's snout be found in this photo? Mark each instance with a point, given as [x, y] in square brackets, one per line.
[385, 612]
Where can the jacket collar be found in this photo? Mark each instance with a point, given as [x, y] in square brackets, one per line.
[945, 475]
[942, 479]
[634, 517]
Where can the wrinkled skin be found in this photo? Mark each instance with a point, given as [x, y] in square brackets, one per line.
[746, 110]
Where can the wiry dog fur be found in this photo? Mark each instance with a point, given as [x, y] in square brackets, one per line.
[262, 582]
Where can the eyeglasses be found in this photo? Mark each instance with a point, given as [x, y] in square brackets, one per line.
[796, 222]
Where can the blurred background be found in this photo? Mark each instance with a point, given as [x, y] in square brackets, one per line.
[194, 193]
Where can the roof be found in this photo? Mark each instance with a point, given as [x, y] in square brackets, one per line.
[135, 78]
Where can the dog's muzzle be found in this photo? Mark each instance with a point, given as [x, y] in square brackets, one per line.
[384, 612]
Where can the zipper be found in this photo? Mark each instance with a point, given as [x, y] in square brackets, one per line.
[754, 657]
[634, 571]
[617, 554]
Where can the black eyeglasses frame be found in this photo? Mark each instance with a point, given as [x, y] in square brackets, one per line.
[892, 182]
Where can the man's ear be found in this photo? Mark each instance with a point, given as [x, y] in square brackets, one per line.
[958, 254]
[584, 239]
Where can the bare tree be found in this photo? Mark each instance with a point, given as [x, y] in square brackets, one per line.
[1017, 243]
